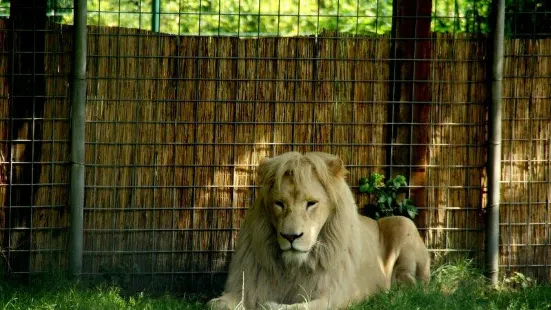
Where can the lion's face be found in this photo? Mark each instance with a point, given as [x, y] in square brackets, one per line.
[298, 214]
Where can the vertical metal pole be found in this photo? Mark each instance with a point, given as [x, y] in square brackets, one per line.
[494, 145]
[156, 18]
[78, 113]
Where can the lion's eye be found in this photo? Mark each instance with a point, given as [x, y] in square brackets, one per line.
[279, 204]
[311, 204]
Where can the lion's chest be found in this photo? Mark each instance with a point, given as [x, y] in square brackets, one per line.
[293, 288]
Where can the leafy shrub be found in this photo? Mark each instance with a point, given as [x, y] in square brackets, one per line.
[390, 196]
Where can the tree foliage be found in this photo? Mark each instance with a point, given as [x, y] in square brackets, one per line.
[248, 17]
[297, 17]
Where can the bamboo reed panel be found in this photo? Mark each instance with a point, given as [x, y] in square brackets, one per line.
[457, 151]
[526, 172]
[50, 221]
[176, 126]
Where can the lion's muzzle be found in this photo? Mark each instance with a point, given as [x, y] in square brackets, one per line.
[295, 242]
[291, 237]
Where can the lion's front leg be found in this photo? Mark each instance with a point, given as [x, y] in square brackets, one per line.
[321, 304]
[224, 302]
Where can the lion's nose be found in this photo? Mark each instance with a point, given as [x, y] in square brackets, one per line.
[291, 238]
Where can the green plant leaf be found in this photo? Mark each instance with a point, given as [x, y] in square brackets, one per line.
[412, 211]
[363, 181]
[396, 182]
[400, 181]
[365, 188]
[376, 179]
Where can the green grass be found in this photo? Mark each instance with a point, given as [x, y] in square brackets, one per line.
[459, 286]
[61, 294]
[454, 286]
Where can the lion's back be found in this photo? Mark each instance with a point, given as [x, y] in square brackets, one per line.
[398, 230]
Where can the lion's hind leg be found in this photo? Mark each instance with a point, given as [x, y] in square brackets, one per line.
[404, 272]
[409, 270]
[423, 270]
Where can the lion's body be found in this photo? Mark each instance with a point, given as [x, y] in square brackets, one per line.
[336, 256]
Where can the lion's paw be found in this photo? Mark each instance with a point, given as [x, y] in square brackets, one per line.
[219, 304]
[270, 305]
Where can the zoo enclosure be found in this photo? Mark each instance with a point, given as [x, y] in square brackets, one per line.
[177, 118]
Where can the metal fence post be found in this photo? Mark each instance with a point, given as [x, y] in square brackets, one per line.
[494, 143]
[78, 114]
[155, 18]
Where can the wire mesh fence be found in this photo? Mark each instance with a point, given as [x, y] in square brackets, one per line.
[182, 103]
[526, 181]
[33, 147]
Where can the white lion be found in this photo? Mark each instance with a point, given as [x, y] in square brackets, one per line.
[303, 244]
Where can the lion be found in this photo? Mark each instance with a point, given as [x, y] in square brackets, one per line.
[303, 244]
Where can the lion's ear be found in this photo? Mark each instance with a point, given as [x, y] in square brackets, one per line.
[336, 166]
[263, 166]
